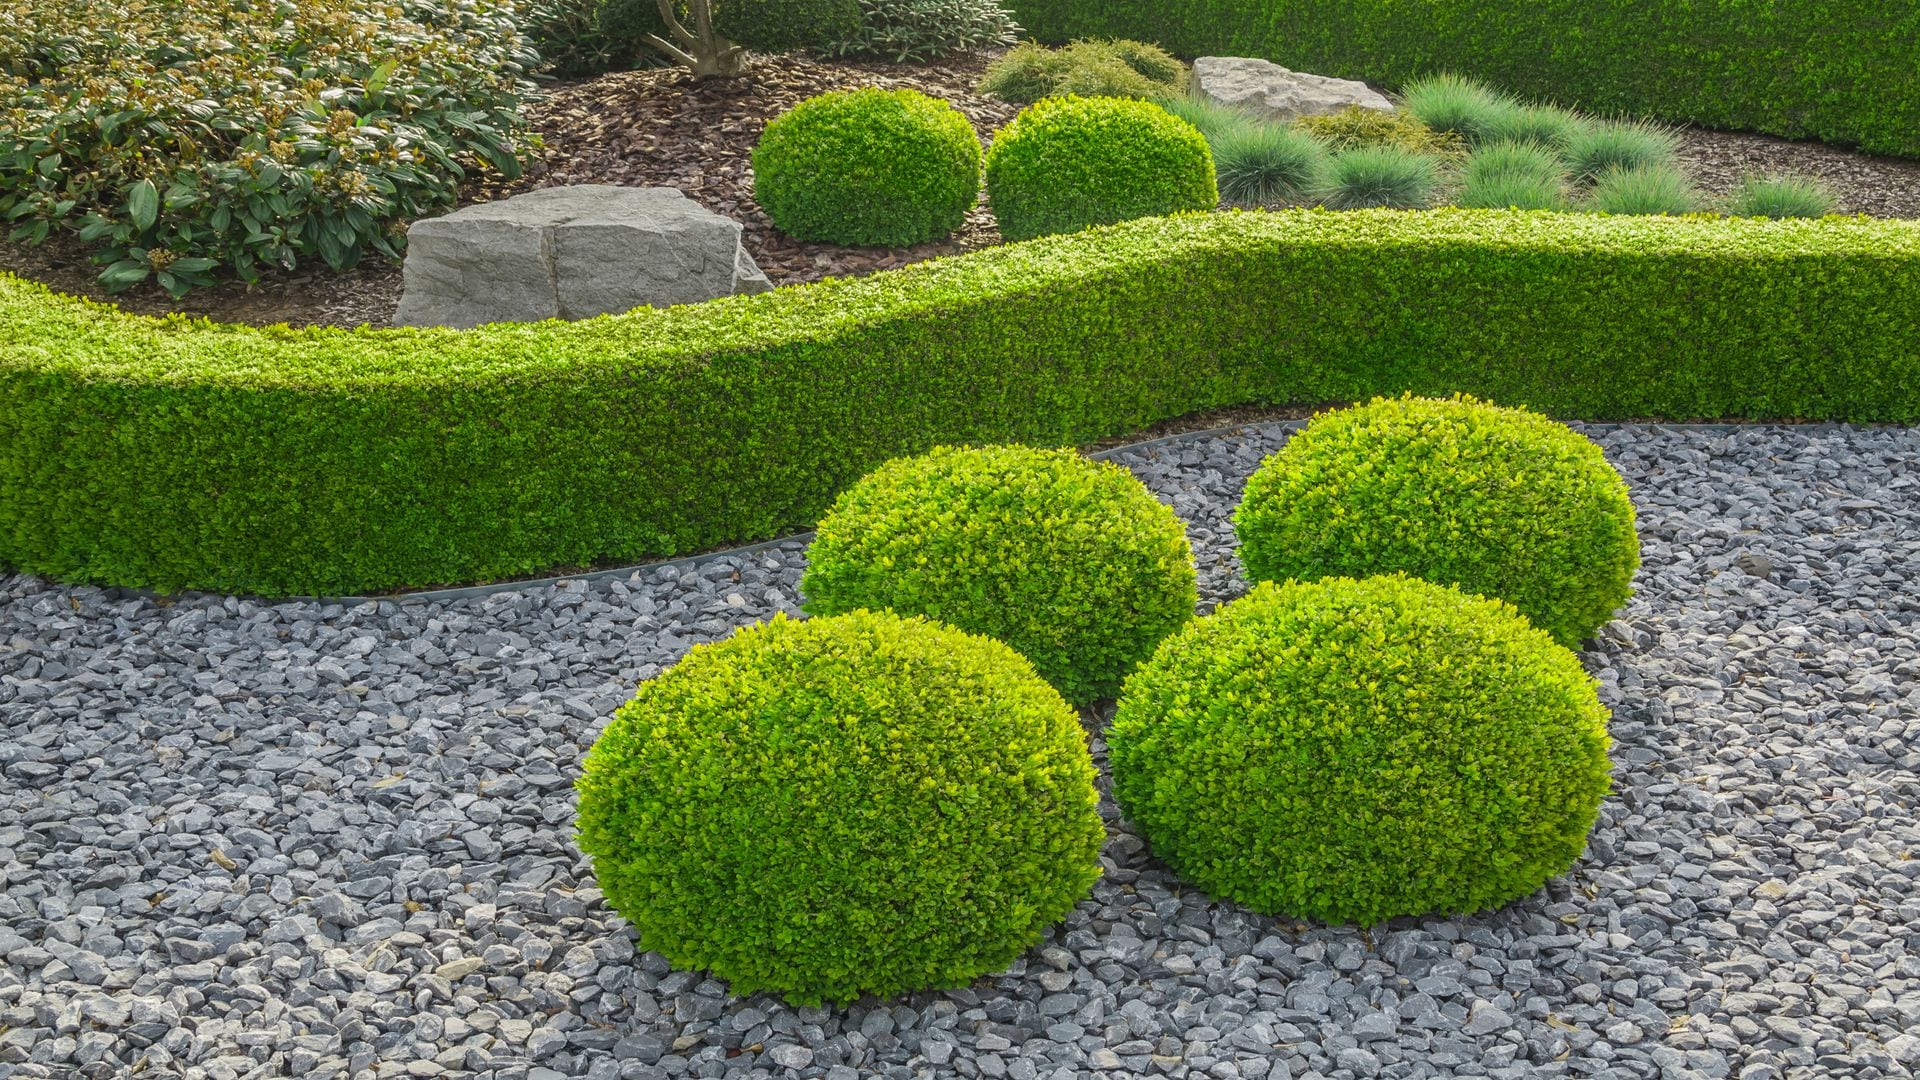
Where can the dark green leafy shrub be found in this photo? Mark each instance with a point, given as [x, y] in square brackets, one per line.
[1355, 750]
[1070, 561]
[1354, 127]
[1781, 197]
[1452, 103]
[780, 25]
[1267, 164]
[1379, 177]
[1596, 148]
[1501, 502]
[1652, 189]
[1068, 163]
[910, 30]
[1133, 69]
[868, 166]
[858, 805]
[1840, 70]
[191, 138]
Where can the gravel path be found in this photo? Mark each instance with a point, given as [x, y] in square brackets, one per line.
[248, 840]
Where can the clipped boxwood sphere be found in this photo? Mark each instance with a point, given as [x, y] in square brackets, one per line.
[1066, 163]
[880, 167]
[865, 804]
[1072, 562]
[1501, 502]
[1354, 750]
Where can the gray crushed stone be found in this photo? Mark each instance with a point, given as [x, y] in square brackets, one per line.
[246, 840]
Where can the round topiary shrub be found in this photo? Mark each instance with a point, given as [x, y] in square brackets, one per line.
[1072, 562]
[866, 804]
[1501, 502]
[869, 166]
[1354, 750]
[1067, 163]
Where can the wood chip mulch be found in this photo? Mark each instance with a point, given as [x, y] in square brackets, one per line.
[662, 127]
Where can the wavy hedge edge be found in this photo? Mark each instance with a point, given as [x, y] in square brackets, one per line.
[1840, 71]
[175, 454]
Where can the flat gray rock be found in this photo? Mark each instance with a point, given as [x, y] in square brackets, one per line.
[1267, 90]
[571, 253]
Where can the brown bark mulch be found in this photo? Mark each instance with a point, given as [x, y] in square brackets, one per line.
[661, 127]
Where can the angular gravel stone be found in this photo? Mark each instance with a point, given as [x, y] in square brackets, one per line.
[390, 782]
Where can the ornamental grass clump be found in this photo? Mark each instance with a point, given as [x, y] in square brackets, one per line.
[194, 139]
[869, 166]
[1596, 148]
[866, 804]
[1068, 163]
[1267, 164]
[1379, 176]
[1453, 103]
[1541, 125]
[1652, 189]
[1352, 750]
[1501, 502]
[1072, 562]
[1513, 175]
[1781, 197]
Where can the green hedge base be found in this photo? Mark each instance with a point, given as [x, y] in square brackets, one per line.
[178, 454]
[1842, 71]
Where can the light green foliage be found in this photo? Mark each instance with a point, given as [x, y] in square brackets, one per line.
[190, 139]
[1380, 177]
[1595, 148]
[1652, 189]
[858, 805]
[1067, 163]
[1266, 164]
[868, 166]
[1516, 175]
[1070, 561]
[912, 30]
[1030, 72]
[1781, 197]
[1354, 127]
[1501, 502]
[1350, 751]
[1453, 103]
[173, 454]
[1837, 70]
[1540, 125]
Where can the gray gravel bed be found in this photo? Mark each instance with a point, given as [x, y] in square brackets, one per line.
[251, 840]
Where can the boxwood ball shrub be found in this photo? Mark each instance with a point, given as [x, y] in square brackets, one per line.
[1501, 502]
[1352, 750]
[869, 166]
[1067, 163]
[1071, 561]
[826, 808]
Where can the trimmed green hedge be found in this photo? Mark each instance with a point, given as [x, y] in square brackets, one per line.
[1838, 70]
[175, 454]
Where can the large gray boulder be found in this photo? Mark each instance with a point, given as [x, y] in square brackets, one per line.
[1269, 91]
[571, 253]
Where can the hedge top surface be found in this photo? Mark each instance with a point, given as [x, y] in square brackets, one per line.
[868, 166]
[1352, 750]
[53, 334]
[1501, 502]
[1072, 562]
[863, 804]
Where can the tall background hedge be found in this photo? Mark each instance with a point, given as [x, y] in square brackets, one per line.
[173, 453]
[1842, 71]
